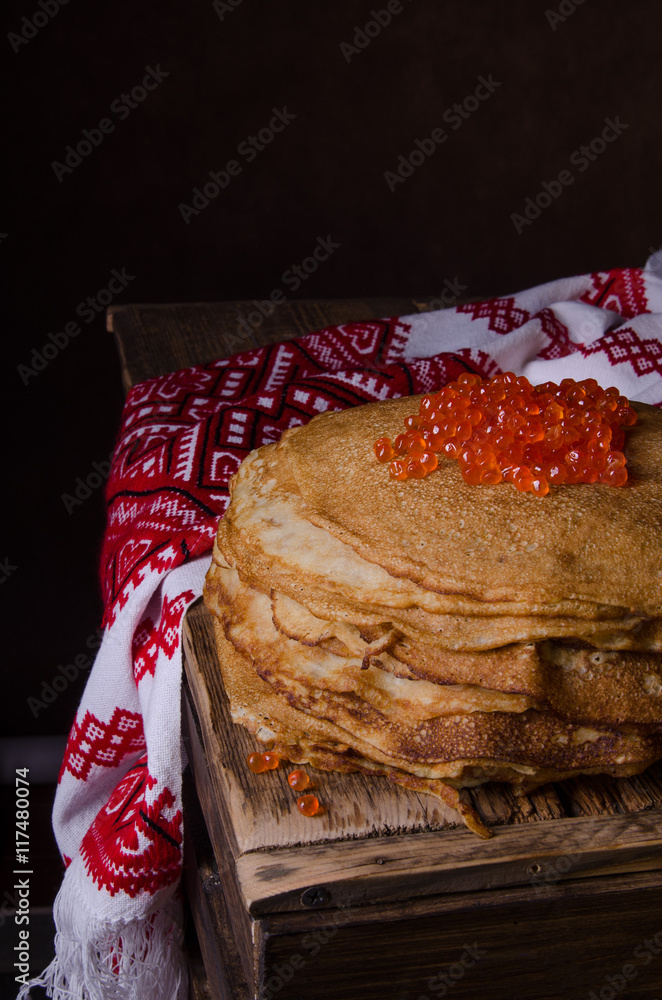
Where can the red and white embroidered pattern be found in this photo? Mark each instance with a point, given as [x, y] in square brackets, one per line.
[502, 315]
[559, 344]
[624, 345]
[134, 845]
[622, 291]
[144, 649]
[149, 639]
[93, 743]
[479, 361]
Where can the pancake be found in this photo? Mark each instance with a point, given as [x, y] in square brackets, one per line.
[589, 544]
[440, 634]
[576, 684]
[265, 533]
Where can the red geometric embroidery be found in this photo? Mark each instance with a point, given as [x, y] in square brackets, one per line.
[183, 436]
[171, 616]
[133, 846]
[104, 744]
[503, 315]
[621, 290]
[361, 341]
[559, 345]
[149, 640]
[434, 373]
[624, 345]
[144, 650]
[480, 362]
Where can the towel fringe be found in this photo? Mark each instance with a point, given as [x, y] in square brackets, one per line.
[139, 959]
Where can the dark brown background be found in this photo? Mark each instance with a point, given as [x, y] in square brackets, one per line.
[322, 176]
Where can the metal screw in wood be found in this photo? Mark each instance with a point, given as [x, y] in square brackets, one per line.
[315, 896]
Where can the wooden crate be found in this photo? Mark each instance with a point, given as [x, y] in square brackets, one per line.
[381, 897]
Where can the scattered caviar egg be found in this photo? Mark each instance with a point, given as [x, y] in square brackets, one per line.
[506, 430]
[271, 760]
[298, 780]
[257, 763]
[397, 469]
[384, 450]
[308, 805]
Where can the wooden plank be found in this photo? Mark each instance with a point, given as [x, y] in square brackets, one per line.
[591, 890]
[567, 942]
[205, 802]
[198, 980]
[157, 339]
[377, 841]
[394, 868]
[226, 977]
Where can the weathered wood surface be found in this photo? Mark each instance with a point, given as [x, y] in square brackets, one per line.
[378, 842]
[403, 867]
[157, 339]
[561, 945]
[563, 939]
[214, 942]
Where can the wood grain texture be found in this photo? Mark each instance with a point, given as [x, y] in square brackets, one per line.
[157, 339]
[404, 867]
[206, 804]
[563, 944]
[563, 941]
[226, 977]
[378, 842]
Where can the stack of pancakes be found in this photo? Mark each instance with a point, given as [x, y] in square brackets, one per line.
[440, 633]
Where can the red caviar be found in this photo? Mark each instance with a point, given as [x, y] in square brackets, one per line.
[308, 805]
[298, 780]
[259, 762]
[271, 760]
[256, 763]
[506, 430]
